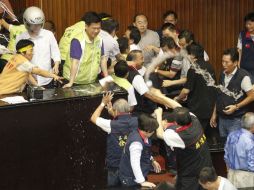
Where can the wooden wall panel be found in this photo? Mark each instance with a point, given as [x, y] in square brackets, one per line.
[215, 23]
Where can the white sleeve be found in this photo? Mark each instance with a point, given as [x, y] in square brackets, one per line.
[116, 49]
[172, 139]
[139, 84]
[104, 124]
[26, 67]
[54, 49]
[105, 80]
[131, 97]
[239, 42]
[246, 84]
[135, 156]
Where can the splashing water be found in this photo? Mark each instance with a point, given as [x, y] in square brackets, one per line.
[205, 74]
[155, 63]
[210, 82]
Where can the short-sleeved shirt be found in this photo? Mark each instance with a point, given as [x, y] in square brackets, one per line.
[149, 38]
[19, 68]
[225, 184]
[111, 46]
[139, 85]
[246, 84]
[201, 98]
[76, 50]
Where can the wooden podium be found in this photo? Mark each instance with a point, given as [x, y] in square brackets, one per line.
[51, 144]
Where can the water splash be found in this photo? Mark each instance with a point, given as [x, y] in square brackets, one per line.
[155, 63]
[210, 82]
[205, 74]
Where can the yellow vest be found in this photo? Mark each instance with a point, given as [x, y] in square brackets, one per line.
[12, 80]
[69, 33]
[122, 82]
[14, 32]
[89, 63]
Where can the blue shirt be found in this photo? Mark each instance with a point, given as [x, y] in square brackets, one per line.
[239, 150]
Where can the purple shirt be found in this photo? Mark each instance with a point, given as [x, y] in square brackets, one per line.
[76, 50]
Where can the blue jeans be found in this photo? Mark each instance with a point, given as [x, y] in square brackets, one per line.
[228, 125]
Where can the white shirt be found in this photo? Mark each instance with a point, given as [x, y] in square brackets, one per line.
[111, 47]
[142, 71]
[225, 184]
[246, 84]
[104, 124]
[139, 84]
[135, 156]
[134, 47]
[45, 49]
[172, 139]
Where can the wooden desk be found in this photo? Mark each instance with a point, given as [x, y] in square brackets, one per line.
[51, 144]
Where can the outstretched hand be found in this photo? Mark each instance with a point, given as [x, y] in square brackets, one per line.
[106, 99]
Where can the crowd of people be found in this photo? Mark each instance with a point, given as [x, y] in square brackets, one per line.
[173, 94]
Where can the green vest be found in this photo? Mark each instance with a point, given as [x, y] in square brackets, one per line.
[69, 34]
[122, 82]
[14, 32]
[89, 64]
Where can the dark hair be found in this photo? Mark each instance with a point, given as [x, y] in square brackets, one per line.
[169, 116]
[170, 12]
[134, 34]
[182, 116]
[121, 68]
[249, 17]
[169, 26]
[147, 123]
[139, 14]
[234, 54]
[133, 55]
[187, 35]
[91, 17]
[23, 43]
[109, 25]
[52, 26]
[207, 174]
[123, 43]
[196, 50]
[169, 42]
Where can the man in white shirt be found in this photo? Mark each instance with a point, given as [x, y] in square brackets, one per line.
[134, 36]
[45, 44]
[118, 130]
[136, 161]
[209, 180]
[185, 135]
[142, 92]
[107, 33]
